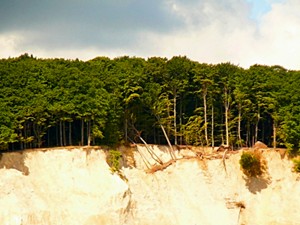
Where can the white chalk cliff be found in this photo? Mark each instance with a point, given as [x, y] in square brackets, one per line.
[76, 186]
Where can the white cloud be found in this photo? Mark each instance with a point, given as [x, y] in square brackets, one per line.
[213, 33]
[210, 31]
[232, 36]
[9, 44]
[280, 31]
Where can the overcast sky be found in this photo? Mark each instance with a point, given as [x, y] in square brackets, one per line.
[243, 32]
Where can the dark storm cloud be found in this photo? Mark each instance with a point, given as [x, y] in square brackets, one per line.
[103, 23]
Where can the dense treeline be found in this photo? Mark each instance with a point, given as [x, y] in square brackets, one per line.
[58, 102]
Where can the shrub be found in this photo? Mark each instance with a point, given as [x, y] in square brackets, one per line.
[113, 160]
[292, 152]
[296, 165]
[252, 163]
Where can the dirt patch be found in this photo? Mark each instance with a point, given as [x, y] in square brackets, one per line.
[260, 144]
[128, 156]
[282, 152]
[14, 160]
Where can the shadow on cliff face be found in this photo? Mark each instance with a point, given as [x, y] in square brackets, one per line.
[255, 169]
[256, 184]
[14, 160]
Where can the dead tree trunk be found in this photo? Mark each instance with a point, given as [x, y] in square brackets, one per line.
[171, 150]
[147, 163]
[152, 153]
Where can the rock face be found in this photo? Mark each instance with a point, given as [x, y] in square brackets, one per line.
[76, 187]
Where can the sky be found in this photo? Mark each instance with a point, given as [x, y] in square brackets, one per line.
[243, 32]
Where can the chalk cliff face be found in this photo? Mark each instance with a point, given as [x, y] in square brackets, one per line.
[76, 186]
[62, 187]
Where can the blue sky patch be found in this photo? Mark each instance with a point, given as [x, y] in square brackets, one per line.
[261, 7]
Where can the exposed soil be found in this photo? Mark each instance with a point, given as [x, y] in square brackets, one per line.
[14, 160]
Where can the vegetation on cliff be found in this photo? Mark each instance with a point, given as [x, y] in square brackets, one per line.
[252, 163]
[59, 102]
[296, 162]
[113, 160]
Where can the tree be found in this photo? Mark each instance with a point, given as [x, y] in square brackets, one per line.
[226, 72]
[178, 69]
[7, 127]
[242, 101]
[193, 131]
[58, 102]
[204, 77]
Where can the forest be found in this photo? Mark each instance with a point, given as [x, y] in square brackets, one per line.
[103, 101]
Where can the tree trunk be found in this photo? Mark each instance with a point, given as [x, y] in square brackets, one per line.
[25, 137]
[175, 124]
[226, 127]
[226, 116]
[274, 135]
[88, 127]
[70, 133]
[37, 131]
[222, 126]
[60, 133]
[126, 128]
[212, 127]
[154, 135]
[48, 138]
[256, 127]
[64, 134]
[205, 115]
[263, 133]
[82, 132]
[239, 124]
[152, 153]
[169, 122]
[180, 123]
[171, 151]
[57, 135]
[248, 134]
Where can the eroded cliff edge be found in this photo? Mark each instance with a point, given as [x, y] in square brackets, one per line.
[76, 186]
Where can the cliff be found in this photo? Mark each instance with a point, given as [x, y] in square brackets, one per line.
[76, 186]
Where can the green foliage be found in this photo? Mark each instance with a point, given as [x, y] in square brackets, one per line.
[193, 131]
[296, 165]
[292, 151]
[113, 160]
[252, 163]
[290, 129]
[58, 102]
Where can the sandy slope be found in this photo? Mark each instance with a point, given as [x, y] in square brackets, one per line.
[76, 187]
